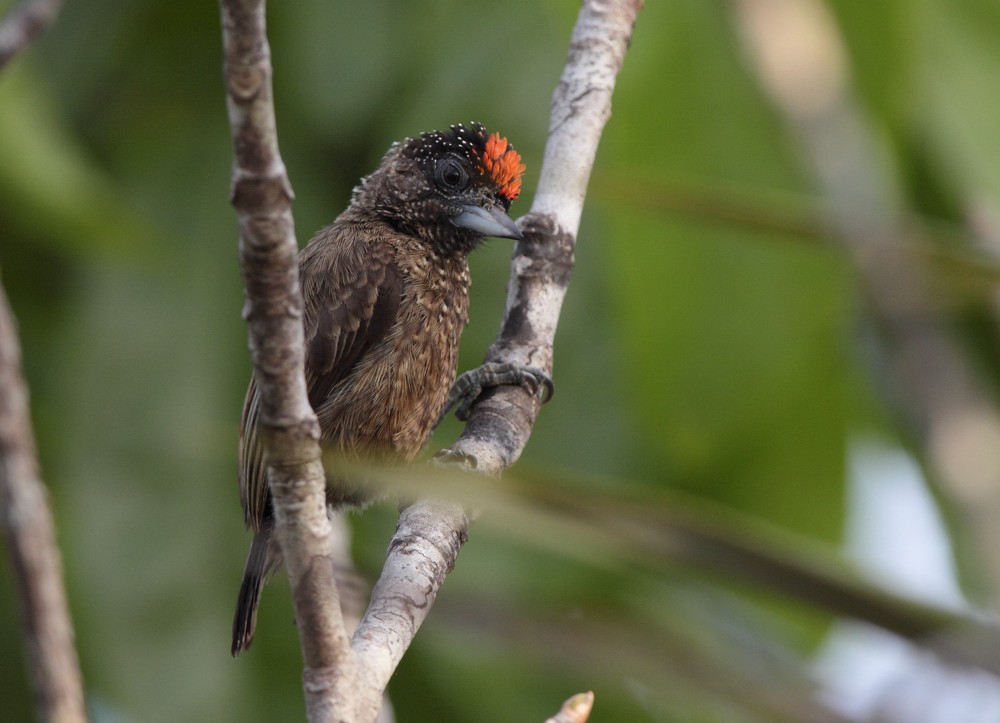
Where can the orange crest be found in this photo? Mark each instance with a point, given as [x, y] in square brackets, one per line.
[504, 165]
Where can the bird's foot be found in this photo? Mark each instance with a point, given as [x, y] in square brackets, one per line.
[467, 388]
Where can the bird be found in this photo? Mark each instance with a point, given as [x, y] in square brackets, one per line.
[385, 289]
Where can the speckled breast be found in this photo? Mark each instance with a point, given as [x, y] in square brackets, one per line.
[405, 380]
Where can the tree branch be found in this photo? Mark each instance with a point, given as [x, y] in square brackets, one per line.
[430, 534]
[23, 24]
[262, 196]
[29, 534]
[502, 419]
[423, 551]
[28, 527]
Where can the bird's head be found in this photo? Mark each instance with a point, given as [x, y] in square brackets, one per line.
[450, 188]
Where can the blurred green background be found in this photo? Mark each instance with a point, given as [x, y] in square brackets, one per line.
[699, 353]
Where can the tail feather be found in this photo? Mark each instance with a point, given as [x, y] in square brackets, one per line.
[259, 565]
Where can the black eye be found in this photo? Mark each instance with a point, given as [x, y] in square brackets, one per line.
[450, 174]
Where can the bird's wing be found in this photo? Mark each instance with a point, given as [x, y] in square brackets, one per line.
[250, 461]
[352, 296]
[352, 311]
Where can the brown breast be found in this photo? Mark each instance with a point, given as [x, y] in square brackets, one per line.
[399, 389]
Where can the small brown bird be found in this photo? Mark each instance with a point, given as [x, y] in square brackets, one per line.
[386, 292]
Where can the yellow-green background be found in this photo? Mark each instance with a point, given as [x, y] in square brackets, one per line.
[692, 354]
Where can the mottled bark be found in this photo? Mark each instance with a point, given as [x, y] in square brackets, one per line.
[28, 527]
[428, 537]
[501, 421]
[262, 196]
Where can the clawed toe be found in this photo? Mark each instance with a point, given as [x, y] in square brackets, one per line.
[467, 388]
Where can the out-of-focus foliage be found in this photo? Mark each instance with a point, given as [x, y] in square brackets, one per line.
[695, 351]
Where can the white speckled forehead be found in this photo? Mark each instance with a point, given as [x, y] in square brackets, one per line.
[468, 142]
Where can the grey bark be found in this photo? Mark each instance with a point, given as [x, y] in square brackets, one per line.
[30, 538]
[288, 426]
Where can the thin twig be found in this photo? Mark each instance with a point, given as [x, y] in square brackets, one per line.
[29, 533]
[262, 196]
[23, 24]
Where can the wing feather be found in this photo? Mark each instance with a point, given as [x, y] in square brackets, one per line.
[352, 295]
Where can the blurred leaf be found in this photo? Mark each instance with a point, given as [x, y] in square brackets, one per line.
[739, 344]
[958, 63]
[50, 187]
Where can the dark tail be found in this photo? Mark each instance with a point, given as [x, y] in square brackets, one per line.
[259, 564]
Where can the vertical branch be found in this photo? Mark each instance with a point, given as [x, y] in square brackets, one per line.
[289, 429]
[430, 534]
[29, 533]
[28, 527]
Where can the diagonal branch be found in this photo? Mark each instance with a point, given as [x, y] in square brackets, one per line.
[23, 24]
[25, 516]
[29, 534]
[430, 534]
[262, 196]
[501, 421]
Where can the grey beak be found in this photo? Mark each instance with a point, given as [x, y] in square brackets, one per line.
[489, 223]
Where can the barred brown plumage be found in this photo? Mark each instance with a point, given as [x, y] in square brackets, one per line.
[386, 292]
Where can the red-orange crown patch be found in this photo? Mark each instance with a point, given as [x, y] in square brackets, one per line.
[504, 165]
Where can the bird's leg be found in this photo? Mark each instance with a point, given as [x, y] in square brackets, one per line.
[467, 388]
